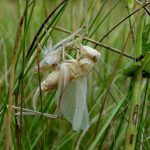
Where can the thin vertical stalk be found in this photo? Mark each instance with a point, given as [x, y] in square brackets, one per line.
[12, 74]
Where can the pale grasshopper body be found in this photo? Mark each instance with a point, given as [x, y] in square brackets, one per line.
[70, 78]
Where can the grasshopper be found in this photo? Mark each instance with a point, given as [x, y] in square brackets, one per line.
[70, 79]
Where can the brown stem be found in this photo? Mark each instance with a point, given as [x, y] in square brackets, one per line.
[13, 63]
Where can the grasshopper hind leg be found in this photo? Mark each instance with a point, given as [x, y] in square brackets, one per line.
[26, 111]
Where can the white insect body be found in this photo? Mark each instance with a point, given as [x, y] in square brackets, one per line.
[70, 78]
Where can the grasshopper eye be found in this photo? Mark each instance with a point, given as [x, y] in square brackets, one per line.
[95, 58]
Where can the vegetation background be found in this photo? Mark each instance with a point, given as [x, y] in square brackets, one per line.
[118, 94]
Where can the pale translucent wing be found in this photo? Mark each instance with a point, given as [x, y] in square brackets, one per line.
[81, 117]
[73, 104]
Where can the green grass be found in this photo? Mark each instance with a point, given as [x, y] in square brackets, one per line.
[118, 94]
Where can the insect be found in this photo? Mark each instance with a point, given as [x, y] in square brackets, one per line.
[71, 79]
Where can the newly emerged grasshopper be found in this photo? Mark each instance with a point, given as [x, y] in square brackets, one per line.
[70, 79]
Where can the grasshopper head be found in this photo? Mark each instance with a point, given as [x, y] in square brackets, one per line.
[91, 53]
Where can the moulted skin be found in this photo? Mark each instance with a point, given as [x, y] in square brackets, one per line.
[54, 55]
[74, 68]
[50, 60]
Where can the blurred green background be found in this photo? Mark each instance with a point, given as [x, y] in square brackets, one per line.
[36, 132]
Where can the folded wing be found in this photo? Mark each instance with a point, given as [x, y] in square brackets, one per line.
[73, 104]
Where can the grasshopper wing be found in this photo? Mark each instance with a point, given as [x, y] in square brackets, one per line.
[73, 103]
